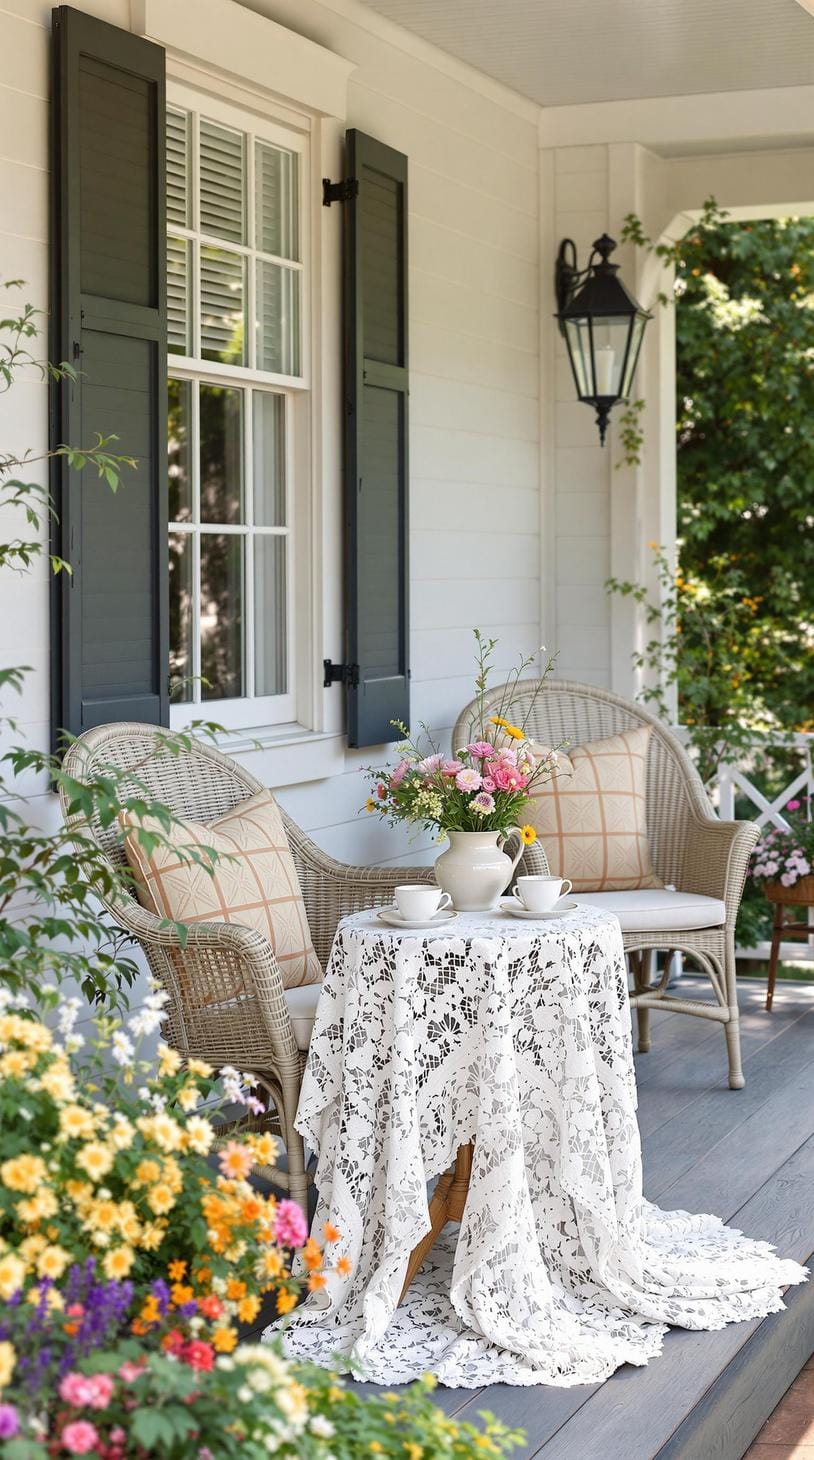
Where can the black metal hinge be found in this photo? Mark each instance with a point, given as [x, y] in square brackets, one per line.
[339, 192]
[347, 674]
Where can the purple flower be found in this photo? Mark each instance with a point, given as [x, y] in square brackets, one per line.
[9, 1422]
[161, 1292]
[482, 804]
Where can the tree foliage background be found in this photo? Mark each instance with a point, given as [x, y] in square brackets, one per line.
[745, 399]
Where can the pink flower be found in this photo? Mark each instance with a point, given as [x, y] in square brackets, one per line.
[468, 780]
[788, 879]
[290, 1227]
[507, 777]
[199, 1355]
[803, 867]
[76, 1389]
[80, 1437]
[488, 784]
[9, 1422]
[481, 749]
[430, 764]
[482, 804]
[792, 805]
[451, 767]
[399, 773]
[102, 1385]
[130, 1371]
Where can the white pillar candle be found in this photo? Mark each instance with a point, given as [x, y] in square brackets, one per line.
[604, 361]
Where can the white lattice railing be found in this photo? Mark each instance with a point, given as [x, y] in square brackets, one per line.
[733, 784]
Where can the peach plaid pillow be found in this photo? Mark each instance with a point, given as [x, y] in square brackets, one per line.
[590, 817]
[253, 882]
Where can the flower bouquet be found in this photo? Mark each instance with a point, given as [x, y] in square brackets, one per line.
[479, 791]
[783, 861]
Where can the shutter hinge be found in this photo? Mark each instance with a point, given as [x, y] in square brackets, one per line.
[339, 192]
[347, 674]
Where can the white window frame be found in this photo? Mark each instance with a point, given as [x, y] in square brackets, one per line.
[250, 711]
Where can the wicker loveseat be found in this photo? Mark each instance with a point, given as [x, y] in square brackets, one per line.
[701, 860]
[227, 1004]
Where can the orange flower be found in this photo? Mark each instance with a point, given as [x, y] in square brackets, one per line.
[235, 1161]
[177, 1270]
[181, 1293]
[316, 1281]
[235, 1290]
[271, 1263]
[224, 1340]
[203, 1277]
[248, 1309]
[251, 1209]
[150, 1312]
[343, 1266]
[286, 1301]
[330, 1232]
[311, 1255]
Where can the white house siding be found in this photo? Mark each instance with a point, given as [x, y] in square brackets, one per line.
[474, 437]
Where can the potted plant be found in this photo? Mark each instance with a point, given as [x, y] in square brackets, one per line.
[476, 797]
[783, 860]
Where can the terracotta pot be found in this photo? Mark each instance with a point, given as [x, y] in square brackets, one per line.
[800, 895]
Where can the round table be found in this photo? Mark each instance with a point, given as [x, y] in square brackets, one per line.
[515, 1036]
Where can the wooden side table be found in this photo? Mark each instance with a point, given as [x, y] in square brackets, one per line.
[786, 926]
[446, 1205]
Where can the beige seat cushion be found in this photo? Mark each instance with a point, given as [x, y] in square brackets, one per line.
[590, 816]
[651, 910]
[253, 882]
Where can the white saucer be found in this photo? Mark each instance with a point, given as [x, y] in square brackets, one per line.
[559, 910]
[393, 918]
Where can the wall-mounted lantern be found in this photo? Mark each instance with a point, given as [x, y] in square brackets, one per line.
[602, 325]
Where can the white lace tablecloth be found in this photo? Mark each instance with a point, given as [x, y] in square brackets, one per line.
[514, 1035]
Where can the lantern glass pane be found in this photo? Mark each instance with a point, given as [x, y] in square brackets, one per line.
[636, 334]
[578, 341]
[610, 336]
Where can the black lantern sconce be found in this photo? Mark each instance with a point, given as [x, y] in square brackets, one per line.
[602, 326]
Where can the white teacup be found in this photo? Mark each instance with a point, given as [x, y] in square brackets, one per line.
[417, 903]
[540, 894]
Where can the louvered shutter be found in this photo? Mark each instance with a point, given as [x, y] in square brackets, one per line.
[110, 639]
[376, 476]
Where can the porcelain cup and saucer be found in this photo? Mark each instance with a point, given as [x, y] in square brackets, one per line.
[418, 905]
[540, 897]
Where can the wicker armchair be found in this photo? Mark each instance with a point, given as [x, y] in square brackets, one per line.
[226, 1004]
[693, 851]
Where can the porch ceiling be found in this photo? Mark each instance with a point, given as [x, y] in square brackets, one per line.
[565, 52]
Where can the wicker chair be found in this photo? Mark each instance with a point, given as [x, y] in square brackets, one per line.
[693, 851]
[226, 1004]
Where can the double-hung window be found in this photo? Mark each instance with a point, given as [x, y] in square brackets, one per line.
[237, 377]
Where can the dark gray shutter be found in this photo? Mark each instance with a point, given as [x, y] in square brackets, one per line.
[110, 619]
[376, 477]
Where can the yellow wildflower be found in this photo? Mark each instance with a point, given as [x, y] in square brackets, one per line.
[95, 1159]
[12, 1275]
[129, 1224]
[286, 1301]
[118, 1262]
[7, 1361]
[23, 1173]
[188, 1098]
[248, 1309]
[370, 804]
[200, 1068]
[76, 1123]
[181, 1293]
[152, 1235]
[160, 1199]
[58, 1082]
[413, 1451]
[52, 1263]
[513, 731]
[169, 1060]
[528, 835]
[224, 1340]
[161, 1129]
[29, 1032]
[147, 1172]
[199, 1135]
[103, 1214]
[271, 1264]
[265, 1148]
[177, 1270]
[121, 1134]
[38, 1208]
[17, 1063]
[31, 1246]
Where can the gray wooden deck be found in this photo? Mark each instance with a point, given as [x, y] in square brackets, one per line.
[749, 1157]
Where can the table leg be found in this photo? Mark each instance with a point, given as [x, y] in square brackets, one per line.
[446, 1205]
[777, 934]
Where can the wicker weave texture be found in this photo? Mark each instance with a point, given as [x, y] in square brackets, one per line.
[691, 848]
[226, 999]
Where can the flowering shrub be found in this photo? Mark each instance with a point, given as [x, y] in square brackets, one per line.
[786, 856]
[132, 1248]
[484, 785]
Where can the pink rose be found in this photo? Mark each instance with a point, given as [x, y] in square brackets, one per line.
[76, 1389]
[80, 1437]
[399, 773]
[792, 805]
[102, 1386]
[468, 780]
[488, 784]
[451, 767]
[507, 777]
[290, 1226]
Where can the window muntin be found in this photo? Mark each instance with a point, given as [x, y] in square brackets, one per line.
[235, 325]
